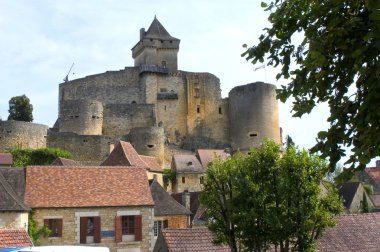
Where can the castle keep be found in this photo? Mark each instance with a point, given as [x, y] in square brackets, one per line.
[159, 109]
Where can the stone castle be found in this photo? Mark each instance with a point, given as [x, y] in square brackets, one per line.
[159, 109]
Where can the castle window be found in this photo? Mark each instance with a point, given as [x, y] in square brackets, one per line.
[76, 116]
[196, 92]
[133, 102]
[252, 134]
[151, 40]
[171, 41]
[220, 110]
[150, 146]
[162, 41]
[85, 141]
[163, 90]
[93, 117]
[198, 109]
[165, 107]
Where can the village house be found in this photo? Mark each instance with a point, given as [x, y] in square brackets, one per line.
[354, 195]
[13, 211]
[124, 154]
[99, 206]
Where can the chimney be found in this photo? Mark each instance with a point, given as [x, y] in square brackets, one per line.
[186, 199]
[377, 163]
[142, 33]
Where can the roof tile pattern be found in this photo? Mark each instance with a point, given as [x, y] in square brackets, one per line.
[151, 163]
[196, 240]
[52, 186]
[187, 163]
[164, 204]
[353, 232]
[208, 155]
[14, 238]
[6, 159]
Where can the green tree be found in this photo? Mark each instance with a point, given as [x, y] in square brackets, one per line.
[264, 199]
[337, 62]
[43, 156]
[20, 109]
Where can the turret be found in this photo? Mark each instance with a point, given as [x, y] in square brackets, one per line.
[157, 50]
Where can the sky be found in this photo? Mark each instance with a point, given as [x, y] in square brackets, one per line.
[40, 40]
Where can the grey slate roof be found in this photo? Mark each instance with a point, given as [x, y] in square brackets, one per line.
[187, 163]
[164, 204]
[347, 191]
[12, 188]
[158, 31]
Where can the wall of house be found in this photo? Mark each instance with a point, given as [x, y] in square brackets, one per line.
[13, 219]
[357, 201]
[70, 232]
[192, 182]
[17, 134]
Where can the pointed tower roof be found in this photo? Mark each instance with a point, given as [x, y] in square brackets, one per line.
[157, 30]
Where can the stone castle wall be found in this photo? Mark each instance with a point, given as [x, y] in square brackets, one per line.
[17, 134]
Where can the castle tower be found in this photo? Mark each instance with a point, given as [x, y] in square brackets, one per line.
[156, 49]
[253, 112]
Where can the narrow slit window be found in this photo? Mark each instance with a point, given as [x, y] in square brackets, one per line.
[220, 110]
[198, 109]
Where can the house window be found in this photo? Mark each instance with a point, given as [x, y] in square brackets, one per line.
[201, 179]
[158, 225]
[89, 230]
[128, 228]
[183, 180]
[55, 226]
[163, 90]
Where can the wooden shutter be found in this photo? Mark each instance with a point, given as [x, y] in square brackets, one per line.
[60, 227]
[118, 229]
[83, 230]
[97, 230]
[138, 228]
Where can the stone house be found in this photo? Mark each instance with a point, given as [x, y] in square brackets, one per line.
[124, 154]
[13, 211]
[189, 173]
[189, 239]
[105, 206]
[371, 176]
[353, 194]
[168, 213]
[6, 160]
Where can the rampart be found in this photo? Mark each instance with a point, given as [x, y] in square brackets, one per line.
[18, 134]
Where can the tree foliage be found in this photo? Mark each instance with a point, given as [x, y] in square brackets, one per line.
[43, 156]
[169, 177]
[337, 62]
[34, 232]
[263, 199]
[20, 109]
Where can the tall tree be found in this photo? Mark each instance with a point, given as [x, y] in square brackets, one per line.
[337, 62]
[264, 199]
[20, 109]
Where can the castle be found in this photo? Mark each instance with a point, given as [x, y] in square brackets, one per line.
[159, 109]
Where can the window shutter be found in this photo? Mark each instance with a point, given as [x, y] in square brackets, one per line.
[138, 228]
[60, 227]
[118, 229]
[97, 228]
[83, 230]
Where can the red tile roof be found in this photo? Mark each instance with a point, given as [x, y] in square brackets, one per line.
[152, 163]
[125, 155]
[14, 238]
[190, 239]
[70, 186]
[353, 232]
[64, 162]
[207, 155]
[6, 159]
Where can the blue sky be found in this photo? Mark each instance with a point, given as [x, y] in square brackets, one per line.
[40, 39]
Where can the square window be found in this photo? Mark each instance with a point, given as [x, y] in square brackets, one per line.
[183, 180]
[128, 225]
[55, 226]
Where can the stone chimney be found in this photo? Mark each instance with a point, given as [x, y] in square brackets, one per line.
[186, 199]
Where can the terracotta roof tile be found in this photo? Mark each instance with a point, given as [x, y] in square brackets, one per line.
[164, 204]
[14, 238]
[64, 162]
[187, 163]
[207, 155]
[151, 163]
[188, 239]
[6, 159]
[70, 186]
[353, 232]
